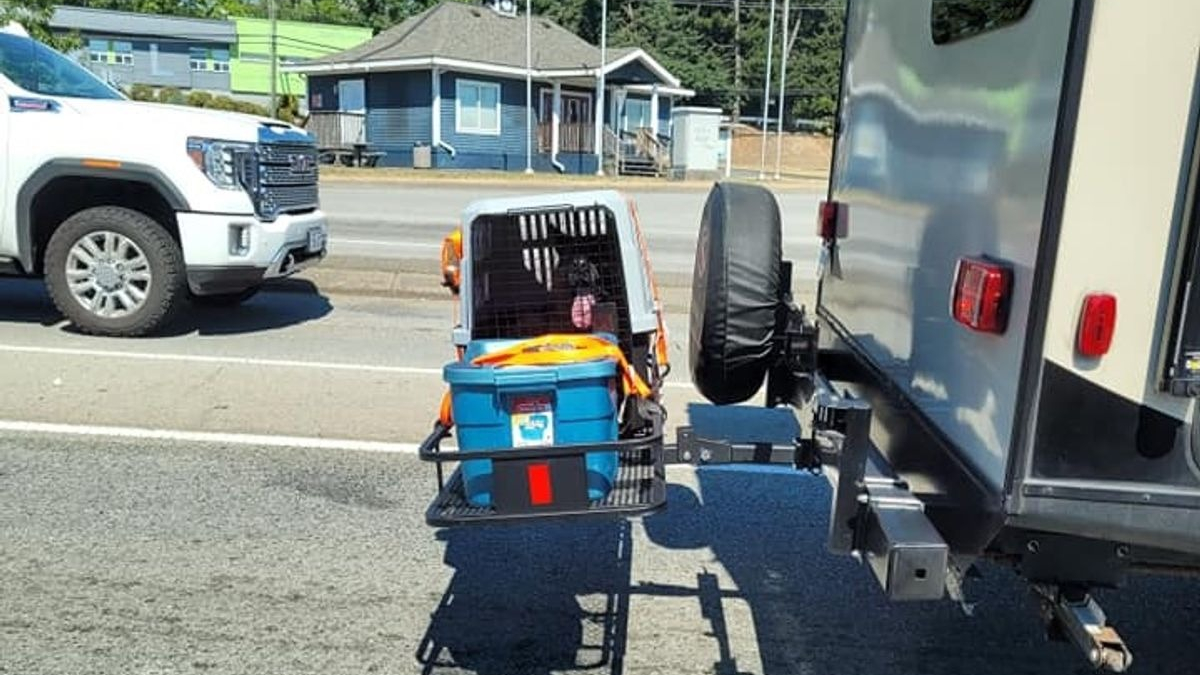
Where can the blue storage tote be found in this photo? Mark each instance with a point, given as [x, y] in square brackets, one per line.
[531, 406]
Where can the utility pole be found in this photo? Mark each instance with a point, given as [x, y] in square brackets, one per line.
[782, 90]
[766, 104]
[737, 60]
[528, 87]
[274, 58]
[600, 83]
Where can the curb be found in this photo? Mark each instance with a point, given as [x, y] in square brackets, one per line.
[344, 176]
[414, 280]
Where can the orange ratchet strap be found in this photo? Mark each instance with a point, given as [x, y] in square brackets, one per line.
[554, 349]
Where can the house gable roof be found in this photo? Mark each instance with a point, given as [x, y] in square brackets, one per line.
[459, 33]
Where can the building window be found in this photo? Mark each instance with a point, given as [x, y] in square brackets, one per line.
[123, 53]
[954, 20]
[198, 59]
[220, 60]
[477, 107]
[637, 114]
[98, 51]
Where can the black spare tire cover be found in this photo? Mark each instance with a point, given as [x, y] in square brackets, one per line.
[735, 292]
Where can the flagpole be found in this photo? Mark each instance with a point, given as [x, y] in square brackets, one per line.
[766, 106]
[783, 38]
[599, 121]
[528, 86]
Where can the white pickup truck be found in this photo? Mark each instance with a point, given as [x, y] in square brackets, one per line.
[129, 210]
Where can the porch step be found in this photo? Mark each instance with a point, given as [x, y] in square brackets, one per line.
[638, 166]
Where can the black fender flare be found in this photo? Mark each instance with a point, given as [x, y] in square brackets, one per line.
[83, 168]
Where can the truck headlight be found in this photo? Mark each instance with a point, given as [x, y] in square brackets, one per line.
[224, 162]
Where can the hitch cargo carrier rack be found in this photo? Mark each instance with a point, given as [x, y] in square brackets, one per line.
[548, 482]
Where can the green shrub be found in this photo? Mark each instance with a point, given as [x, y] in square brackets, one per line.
[200, 99]
[172, 96]
[142, 92]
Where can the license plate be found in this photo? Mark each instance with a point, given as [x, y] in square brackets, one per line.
[316, 240]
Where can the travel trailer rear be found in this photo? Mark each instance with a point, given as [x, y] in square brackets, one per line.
[1004, 358]
[1008, 318]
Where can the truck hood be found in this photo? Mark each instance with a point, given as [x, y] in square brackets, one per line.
[178, 122]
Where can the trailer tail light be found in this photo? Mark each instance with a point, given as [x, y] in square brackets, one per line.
[833, 220]
[541, 491]
[981, 295]
[1097, 323]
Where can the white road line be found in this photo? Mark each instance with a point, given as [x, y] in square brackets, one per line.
[241, 361]
[220, 360]
[381, 242]
[207, 437]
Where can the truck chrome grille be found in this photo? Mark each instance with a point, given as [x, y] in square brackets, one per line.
[287, 179]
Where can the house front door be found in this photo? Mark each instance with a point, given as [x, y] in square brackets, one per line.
[352, 109]
[574, 119]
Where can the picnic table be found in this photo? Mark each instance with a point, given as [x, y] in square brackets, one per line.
[356, 155]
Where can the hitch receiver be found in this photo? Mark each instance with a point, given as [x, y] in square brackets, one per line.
[875, 517]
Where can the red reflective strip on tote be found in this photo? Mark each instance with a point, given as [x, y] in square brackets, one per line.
[541, 492]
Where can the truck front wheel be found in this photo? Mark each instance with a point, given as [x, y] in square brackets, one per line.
[113, 271]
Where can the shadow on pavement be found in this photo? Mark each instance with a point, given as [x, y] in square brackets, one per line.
[818, 614]
[26, 301]
[532, 599]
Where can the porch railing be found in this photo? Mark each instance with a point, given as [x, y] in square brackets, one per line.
[651, 145]
[573, 138]
[639, 151]
[338, 129]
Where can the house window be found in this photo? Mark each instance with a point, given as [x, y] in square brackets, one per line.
[637, 114]
[477, 107]
[220, 60]
[352, 96]
[123, 53]
[98, 51]
[198, 59]
[954, 20]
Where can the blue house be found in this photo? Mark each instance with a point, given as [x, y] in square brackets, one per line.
[452, 82]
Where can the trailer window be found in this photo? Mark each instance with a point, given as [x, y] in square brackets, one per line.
[954, 20]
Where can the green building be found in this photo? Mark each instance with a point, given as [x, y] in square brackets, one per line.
[250, 67]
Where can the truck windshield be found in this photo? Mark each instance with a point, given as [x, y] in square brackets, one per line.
[38, 69]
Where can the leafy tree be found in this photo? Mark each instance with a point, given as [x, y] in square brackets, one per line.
[35, 15]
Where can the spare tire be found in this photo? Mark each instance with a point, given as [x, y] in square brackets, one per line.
[735, 292]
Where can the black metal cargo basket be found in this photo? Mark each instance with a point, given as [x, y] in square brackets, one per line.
[548, 482]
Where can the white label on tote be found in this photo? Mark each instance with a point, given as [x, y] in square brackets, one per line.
[532, 422]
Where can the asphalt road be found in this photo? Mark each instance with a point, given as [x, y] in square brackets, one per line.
[263, 514]
[154, 557]
[408, 221]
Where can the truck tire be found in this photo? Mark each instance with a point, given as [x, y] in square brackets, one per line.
[114, 271]
[735, 292]
[226, 299]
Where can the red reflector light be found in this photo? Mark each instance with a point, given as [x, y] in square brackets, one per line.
[1097, 324]
[540, 490]
[981, 295]
[833, 220]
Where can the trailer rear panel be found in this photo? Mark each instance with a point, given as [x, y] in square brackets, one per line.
[948, 119]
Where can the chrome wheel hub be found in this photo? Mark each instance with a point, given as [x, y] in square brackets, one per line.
[108, 274]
